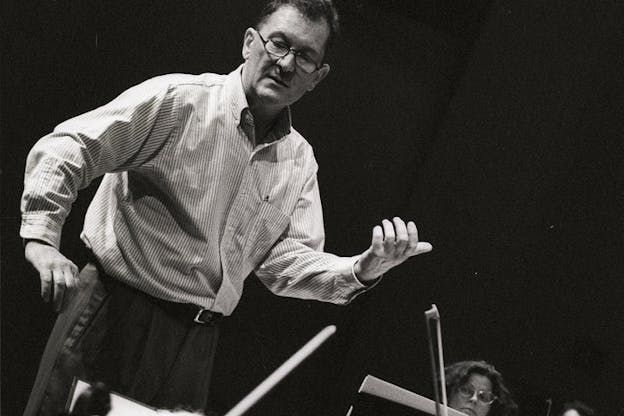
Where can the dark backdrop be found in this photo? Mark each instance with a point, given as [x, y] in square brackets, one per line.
[496, 125]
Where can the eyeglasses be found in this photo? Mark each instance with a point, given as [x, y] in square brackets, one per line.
[279, 49]
[484, 396]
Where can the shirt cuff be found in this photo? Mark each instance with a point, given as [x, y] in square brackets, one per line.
[362, 284]
[36, 227]
[356, 281]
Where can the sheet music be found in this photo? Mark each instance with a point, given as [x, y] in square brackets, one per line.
[380, 388]
[120, 405]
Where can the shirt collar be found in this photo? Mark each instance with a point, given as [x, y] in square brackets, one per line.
[240, 106]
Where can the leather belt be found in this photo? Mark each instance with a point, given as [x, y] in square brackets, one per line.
[185, 311]
[205, 316]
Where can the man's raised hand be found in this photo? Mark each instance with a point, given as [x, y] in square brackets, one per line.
[392, 243]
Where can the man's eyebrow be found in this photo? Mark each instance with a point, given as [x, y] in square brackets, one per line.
[307, 49]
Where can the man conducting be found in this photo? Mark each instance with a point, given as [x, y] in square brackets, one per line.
[205, 181]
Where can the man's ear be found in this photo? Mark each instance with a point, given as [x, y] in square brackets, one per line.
[318, 76]
[247, 40]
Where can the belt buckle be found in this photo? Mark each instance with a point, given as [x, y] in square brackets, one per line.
[198, 319]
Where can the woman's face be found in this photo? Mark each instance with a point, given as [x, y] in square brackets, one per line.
[471, 398]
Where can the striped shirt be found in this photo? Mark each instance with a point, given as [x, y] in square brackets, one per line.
[189, 205]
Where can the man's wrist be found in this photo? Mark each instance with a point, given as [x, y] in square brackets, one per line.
[356, 272]
[25, 241]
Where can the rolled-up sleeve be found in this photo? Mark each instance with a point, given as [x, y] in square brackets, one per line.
[125, 133]
[296, 266]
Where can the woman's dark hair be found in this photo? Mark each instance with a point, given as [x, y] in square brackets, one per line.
[579, 406]
[457, 374]
[314, 10]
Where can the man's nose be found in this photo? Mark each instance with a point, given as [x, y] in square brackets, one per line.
[473, 398]
[287, 62]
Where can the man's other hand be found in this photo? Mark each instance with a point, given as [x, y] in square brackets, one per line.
[57, 272]
[392, 243]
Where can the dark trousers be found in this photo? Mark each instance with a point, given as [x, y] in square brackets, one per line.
[141, 347]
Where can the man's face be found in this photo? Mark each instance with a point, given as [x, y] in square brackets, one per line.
[271, 83]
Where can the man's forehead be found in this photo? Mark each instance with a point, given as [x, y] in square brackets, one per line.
[289, 21]
[292, 12]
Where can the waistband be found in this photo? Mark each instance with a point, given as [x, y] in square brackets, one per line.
[183, 311]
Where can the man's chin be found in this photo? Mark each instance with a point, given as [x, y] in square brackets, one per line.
[272, 97]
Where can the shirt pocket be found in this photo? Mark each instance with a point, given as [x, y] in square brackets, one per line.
[266, 227]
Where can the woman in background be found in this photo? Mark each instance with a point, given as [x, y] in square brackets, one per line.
[476, 388]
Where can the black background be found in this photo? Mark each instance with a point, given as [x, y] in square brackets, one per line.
[496, 125]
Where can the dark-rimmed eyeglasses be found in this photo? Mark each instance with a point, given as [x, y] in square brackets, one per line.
[278, 49]
[483, 396]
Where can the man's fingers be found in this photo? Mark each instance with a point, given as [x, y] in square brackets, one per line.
[59, 289]
[416, 247]
[389, 236]
[57, 272]
[401, 239]
[76, 273]
[423, 247]
[412, 233]
[396, 241]
[46, 284]
[377, 240]
[71, 279]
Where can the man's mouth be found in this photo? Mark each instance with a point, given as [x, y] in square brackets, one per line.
[278, 80]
